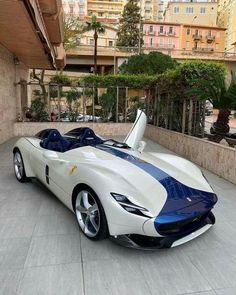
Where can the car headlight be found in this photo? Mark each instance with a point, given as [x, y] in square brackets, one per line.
[125, 203]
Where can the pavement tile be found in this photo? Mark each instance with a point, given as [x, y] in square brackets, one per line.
[63, 279]
[54, 249]
[13, 253]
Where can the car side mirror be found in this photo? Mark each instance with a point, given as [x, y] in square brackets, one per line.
[141, 146]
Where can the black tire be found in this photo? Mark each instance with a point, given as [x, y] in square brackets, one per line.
[20, 171]
[103, 231]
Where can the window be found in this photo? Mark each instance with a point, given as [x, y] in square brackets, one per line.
[187, 44]
[78, 40]
[188, 31]
[203, 10]
[209, 33]
[176, 9]
[171, 31]
[161, 41]
[151, 29]
[196, 33]
[170, 41]
[151, 41]
[110, 43]
[161, 30]
[195, 45]
[91, 42]
[189, 10]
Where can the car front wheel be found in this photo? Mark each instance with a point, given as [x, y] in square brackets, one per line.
[90, 215]
[19, 167]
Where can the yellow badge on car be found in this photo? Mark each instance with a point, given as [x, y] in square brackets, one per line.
[73, 169]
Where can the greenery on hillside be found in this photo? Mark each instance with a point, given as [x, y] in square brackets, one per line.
[150, 64]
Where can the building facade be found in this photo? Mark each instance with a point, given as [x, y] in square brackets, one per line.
[202, 39]
[161, 35]
[187, 37]
[105, 8]
[150, 9]
[112, 9]
[188, 12]
[107, 39]
[77, 7]
[227, 18]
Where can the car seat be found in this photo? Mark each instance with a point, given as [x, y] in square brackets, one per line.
[55, 142]
[87, 138]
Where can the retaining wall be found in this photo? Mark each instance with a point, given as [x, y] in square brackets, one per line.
[104, 129]
[217, 158]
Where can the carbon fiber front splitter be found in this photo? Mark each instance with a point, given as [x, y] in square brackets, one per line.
[153, 243]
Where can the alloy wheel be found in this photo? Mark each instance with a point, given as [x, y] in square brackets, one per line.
[87, 212]
[18, 165]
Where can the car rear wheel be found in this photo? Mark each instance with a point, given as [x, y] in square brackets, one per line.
[90, 215]
[19, 167]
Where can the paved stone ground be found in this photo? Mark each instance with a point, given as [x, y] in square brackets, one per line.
[43, 252]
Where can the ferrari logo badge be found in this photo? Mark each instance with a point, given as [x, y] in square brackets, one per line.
[73, 169]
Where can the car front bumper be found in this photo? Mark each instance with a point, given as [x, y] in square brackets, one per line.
[152, 243]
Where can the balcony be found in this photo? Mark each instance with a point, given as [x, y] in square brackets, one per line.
[161, 33]
[197, 37]
[206, 50]
[148, 32]
[166, 46]
[171, 33]
[210, 38]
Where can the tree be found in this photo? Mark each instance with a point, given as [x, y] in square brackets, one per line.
[97, 29]
[39, 76]
[107, 101]
[129, 34]
[72, 31]
[222, 97]
[37, 110]
[150, 64]
[72, 98]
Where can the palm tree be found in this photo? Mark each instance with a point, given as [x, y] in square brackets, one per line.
[222, 97]
[97, 28]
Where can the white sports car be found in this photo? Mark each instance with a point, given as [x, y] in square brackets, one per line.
[141, 200]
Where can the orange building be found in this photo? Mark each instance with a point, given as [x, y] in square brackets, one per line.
[200, 38]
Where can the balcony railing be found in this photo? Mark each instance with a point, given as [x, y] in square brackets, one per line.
[148, 32]
[161, 33]
[171, 33]
[210, 38]
[118, 51]
[197, 37]
[204, 49]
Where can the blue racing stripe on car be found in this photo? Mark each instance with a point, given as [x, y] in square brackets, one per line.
[182, 202]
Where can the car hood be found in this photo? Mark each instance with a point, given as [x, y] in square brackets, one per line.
[162, 183]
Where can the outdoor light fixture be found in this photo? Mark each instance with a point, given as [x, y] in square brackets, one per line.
[16, 60]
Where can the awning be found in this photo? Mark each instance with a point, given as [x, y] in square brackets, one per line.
[24, 33]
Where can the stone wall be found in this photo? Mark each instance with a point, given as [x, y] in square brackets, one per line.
[217, 158]
[9, 93]
[104, 129]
